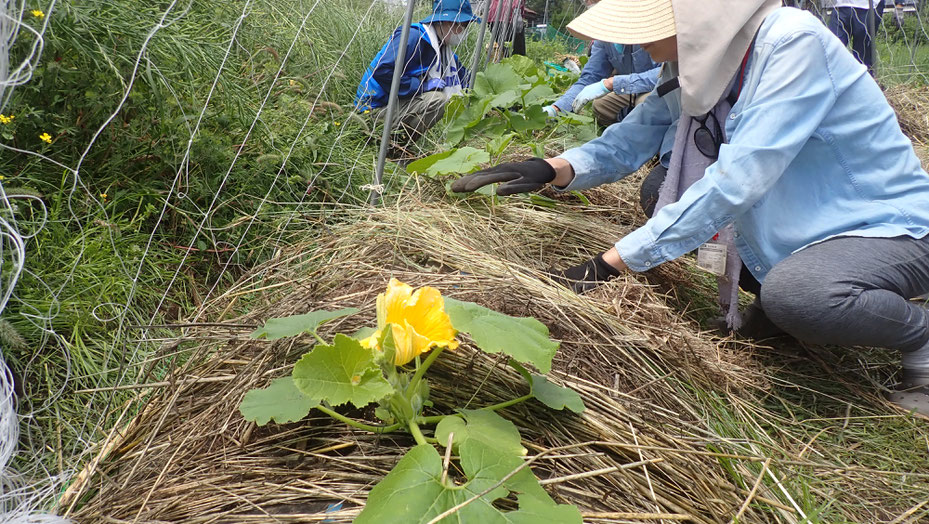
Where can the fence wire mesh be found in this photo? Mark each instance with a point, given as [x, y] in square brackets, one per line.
[152, 153]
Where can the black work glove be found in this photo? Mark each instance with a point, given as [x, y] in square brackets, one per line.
[584, 277]
[520, 177]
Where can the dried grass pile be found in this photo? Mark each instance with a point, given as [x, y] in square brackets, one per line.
[679, 426]
[911, 102]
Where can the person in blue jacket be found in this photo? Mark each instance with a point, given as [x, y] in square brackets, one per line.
[432, 71]
[803, 189]
[615, 79]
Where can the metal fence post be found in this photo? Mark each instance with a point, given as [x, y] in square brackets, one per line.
[392, 103]
[478, 47]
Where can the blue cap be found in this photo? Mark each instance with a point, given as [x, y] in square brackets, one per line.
[457, 11]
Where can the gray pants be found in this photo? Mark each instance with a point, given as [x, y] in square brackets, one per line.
[853, 291]
[416, 115]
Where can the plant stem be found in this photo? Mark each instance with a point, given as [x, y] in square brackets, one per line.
[414, 382]
[359, 425]
[417, 433]
[319, 338]
[508, 403]
[433, 419]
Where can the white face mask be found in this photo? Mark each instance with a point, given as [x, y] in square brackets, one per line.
[454, 39]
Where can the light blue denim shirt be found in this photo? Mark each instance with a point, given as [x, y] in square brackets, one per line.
[636, 72]
[815, 152]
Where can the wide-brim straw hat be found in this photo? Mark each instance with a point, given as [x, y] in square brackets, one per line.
[626, 22]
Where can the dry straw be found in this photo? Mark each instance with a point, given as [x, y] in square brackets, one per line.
[679, 426]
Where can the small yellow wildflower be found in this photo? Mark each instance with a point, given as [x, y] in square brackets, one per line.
[38, 13]
[418, 321]
[366, 111]
[2, 177]
[6, 119]
[103, 196]
[45, 137]
[337, 123]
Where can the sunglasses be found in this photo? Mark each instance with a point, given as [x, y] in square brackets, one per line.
[708, 140]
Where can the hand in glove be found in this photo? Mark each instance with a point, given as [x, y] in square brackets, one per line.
[588, 95]
[584, 277]
[519, 177]
[551, 111]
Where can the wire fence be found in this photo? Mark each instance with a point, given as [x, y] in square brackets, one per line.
[150, 155]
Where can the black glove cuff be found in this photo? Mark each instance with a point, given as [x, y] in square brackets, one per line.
[603, 269]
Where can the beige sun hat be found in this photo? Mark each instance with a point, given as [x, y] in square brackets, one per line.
[626, 21]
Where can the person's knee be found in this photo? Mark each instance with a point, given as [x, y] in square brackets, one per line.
[801, 300]
[604, 112]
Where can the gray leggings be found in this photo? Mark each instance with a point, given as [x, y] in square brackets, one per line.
[853, 291]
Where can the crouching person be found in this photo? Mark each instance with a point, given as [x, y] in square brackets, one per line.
[432, 72]
[789, 173]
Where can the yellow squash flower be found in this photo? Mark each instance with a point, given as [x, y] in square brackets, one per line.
[417, 320]
[45, 137]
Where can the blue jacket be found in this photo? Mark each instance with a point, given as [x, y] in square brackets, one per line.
[635, 72]
[814, 152]
[374, 88]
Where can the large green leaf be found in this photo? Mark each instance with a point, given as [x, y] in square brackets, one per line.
[413, 492]
[495, 80]
[283, 327]
[537, 94]
[524, 338]
[522, 65]
[340, 373]
[459, 161]
[552, 395]
[281, 402]
[531, 119]
[484, 425]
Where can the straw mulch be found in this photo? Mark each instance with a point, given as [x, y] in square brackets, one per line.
[705, 423]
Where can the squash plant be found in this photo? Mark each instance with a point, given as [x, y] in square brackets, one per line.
[386, 365]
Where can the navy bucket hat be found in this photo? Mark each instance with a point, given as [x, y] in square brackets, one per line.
[457, 11]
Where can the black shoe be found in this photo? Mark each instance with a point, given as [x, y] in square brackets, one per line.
[755, 325]
[912, 393]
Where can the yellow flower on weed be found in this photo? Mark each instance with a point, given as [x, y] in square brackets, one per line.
[337, 123]
[45, 137]
[2, 177]
[103, 196]
[38, 13]
[6, 119]
[418, 321]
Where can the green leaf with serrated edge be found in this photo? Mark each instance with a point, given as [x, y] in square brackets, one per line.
[537, 94]
[496, 79]
[504, 100]
[522, 65]
[283, 327]
[422, 165]
[484, 425]
[523, 338]
[281, 402]
[461, 161]
[553, 396]
[340, 373]
[413, 491]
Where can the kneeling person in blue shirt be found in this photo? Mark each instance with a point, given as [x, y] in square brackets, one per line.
[615, 79]
[818, 199]
[432, 71]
